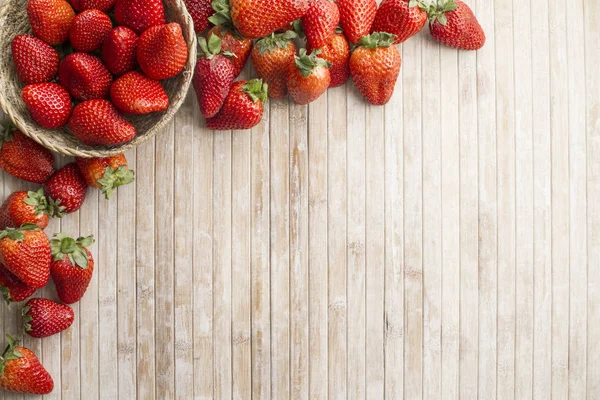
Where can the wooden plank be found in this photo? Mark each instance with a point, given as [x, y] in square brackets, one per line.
[394, 245]
[222, 264]
[299, 276]
[432, 222]
[542, 335]
[505, 111]
[336, 236]
[241, 261]
[317, 247]
[184, 247]
[524, 203]
[375, 252]
[592, 38]
[203, 264]
[280, 256]
[413, 220]
[145, 270]
[469, 232]
[261, 290]
[560, 198]
[164, 264]
[355, 242]
[450, 209]
[577, 201]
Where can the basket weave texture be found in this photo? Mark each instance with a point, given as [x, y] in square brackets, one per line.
[14, 21]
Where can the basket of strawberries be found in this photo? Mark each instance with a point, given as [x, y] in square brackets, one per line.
[93, 78]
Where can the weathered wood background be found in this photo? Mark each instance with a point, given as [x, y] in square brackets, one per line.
[444, 246]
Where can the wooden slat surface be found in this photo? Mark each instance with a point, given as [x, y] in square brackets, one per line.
[444, 246]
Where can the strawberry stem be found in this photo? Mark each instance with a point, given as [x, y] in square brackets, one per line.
[63, 245]
[113, 178]
[10, 353]
[274, 40]
[308, 63]
[437, 12]
[377, 39]
[257, 90]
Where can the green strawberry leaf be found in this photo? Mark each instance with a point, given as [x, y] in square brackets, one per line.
[377, 39]
[257, 90]
[113, 178]
[76, 250]
[7, 127]
[38, 200]
[274, 40]
[308, 63]
[10, 353]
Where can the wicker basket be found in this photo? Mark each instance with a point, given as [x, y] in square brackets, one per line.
[13, 21]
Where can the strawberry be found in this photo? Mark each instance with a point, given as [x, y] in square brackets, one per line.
[12, 289]
[135, 93]
[107, 173]
[200, 11]
[97, 122]
[243, 107]
[272, 57]
[308, 77]
[374, 66]
[232, 42]
[403, 18]
[337, 53]
[319, 22]
[66, 188]
[25, 208]
[258, 18]
[89, 29]
[213, 76]
[22, 157]
[43, 318]
[21, 371]
[102, 5]
[50, 20]
[84, 76]
[118, 50]
[453, 24]
[356, 17]
[162, 51]
[72, 267]
[35, 60]
[25, 252]
[49, 104]
[140, 15]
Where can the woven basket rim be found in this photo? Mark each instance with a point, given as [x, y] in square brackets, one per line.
[45, 137]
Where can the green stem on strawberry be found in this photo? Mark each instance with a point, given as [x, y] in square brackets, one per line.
[377, 39]
[39, 201]
[257, 90]
[437, 12]
[10, 353]
[76, 250]
[7, 127]
[113, 178]
[275, 40]
[306, 63]
[212, 47]
[26, 318]
[17, 233]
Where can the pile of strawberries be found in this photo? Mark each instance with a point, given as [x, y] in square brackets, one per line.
[28, 258]
[92, 62]
[345, 38]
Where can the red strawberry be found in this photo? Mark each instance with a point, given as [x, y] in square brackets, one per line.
[67, 188]
[243, 107]
[232, 42]
[11, 288]
[162, 51]
[43, 318]
[403, 18]
[375, 65]
[356, 17]
[24, 207]
[308, 77]
[140, 15]
[258, 18]
[89, 29]
[49, 104]
[106, 173]
[72, 267]
[200, 11]
[35, 60]
[272, 57]
[102, 5]
[319, 22]
[50, 20]
[84, 76]
[98, 123]
[22, 157]
[25, 252]
[118, 50]
[453, 24]
[22, 372]
[213, 77]
[134, 93]
[337, 53]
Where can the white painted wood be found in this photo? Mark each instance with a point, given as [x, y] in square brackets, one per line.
[444, 246]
